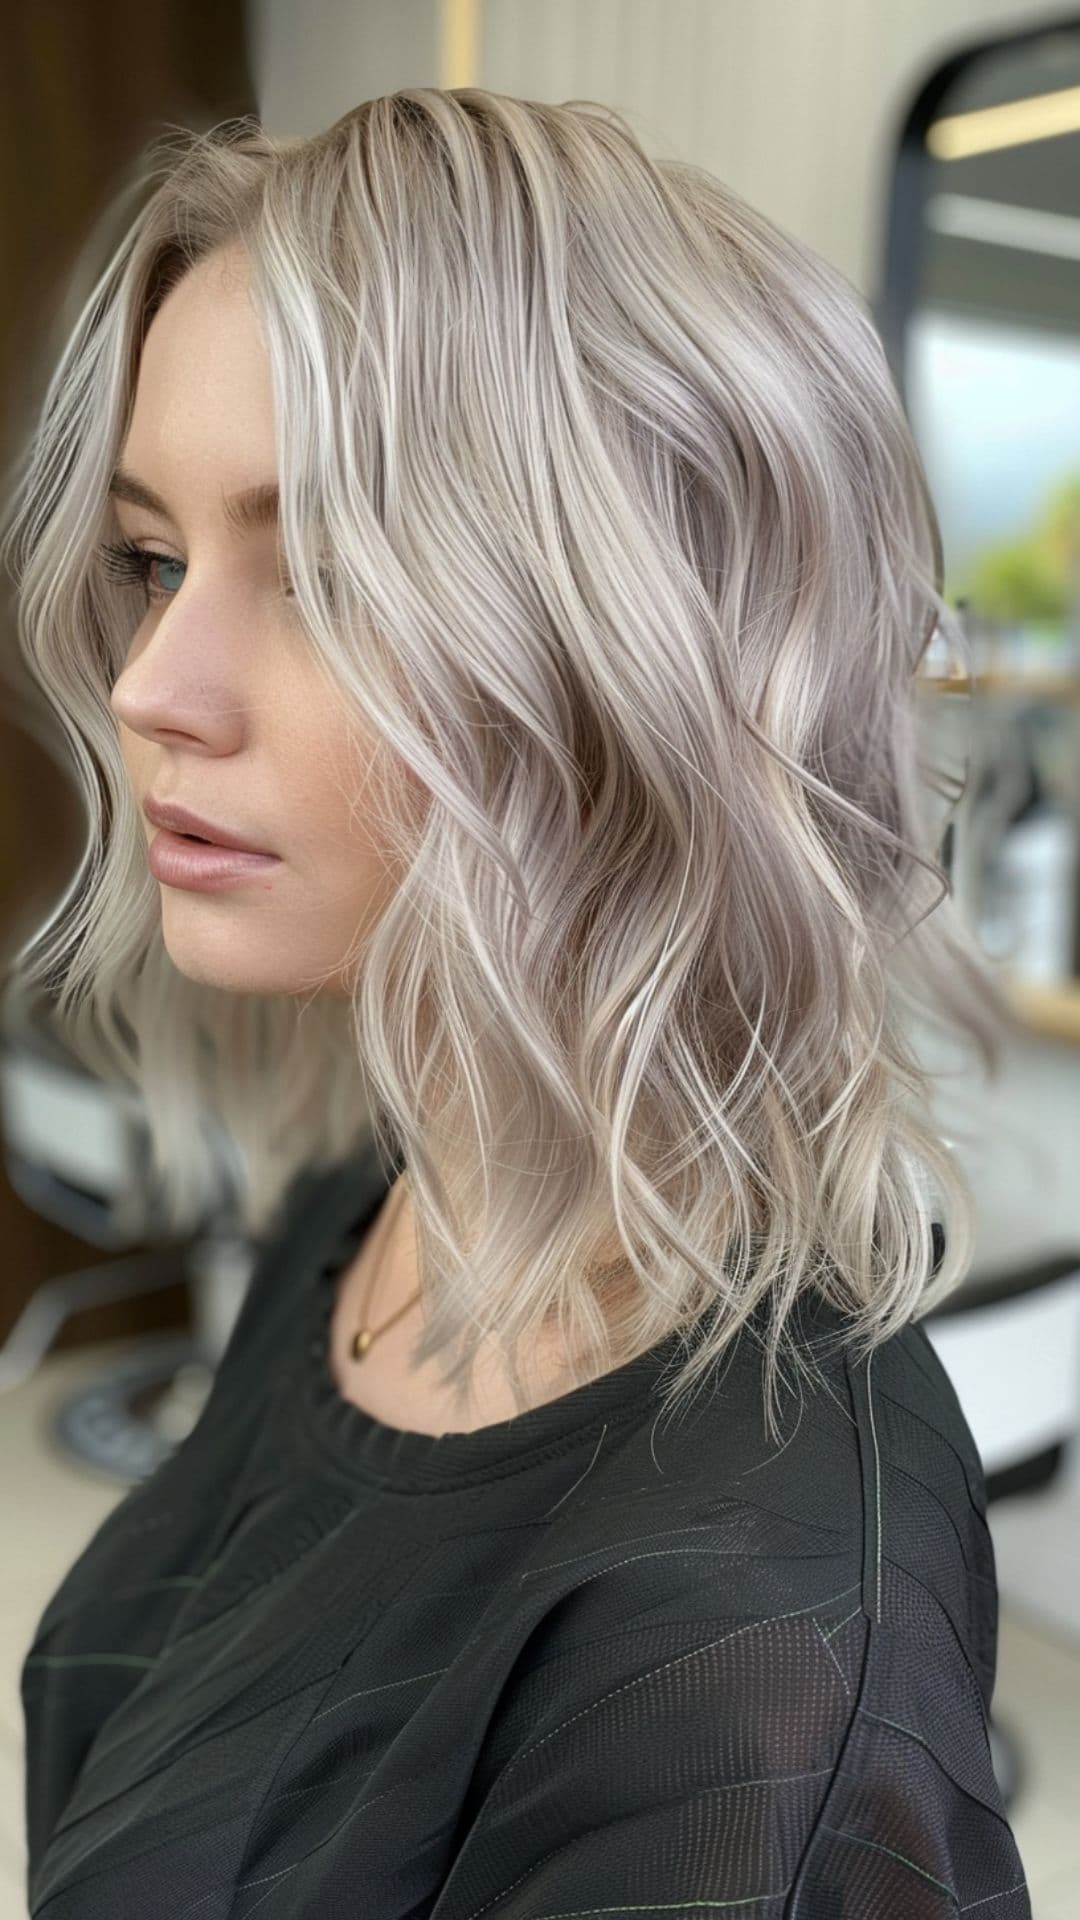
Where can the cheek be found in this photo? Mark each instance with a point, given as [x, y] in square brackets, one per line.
[362, 792]
[346, 839]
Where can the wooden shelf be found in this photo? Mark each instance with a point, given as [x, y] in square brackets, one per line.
[1005, 682]
[1050, 1010]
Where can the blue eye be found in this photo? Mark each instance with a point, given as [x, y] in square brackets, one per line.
[130, 563]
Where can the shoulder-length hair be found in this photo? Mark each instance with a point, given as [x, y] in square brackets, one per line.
[601, 506]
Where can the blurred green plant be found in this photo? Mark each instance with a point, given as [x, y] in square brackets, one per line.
[1035, 577]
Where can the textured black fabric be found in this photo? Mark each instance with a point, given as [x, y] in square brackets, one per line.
[585, 1662]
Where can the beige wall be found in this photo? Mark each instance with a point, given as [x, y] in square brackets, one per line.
[793, 102]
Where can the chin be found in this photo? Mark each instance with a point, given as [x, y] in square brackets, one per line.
[241, 972]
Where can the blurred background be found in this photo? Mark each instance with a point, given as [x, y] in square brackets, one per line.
[930, 149]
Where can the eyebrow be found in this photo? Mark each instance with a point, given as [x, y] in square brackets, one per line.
[245, 512]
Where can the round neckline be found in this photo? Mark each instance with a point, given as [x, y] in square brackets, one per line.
[408, 1460]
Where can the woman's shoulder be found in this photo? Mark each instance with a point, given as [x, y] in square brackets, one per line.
[797, 1629]
[868, 1485]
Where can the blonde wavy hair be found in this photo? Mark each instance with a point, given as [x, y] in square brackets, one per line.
[601, 506]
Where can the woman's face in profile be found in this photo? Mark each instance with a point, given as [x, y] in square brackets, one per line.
[221, 705]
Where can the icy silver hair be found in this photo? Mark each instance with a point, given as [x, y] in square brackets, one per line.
[633, 563]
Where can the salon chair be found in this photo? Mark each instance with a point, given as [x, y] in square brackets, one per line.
[77, 1152]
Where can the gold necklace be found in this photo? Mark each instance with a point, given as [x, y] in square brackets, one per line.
[364, 1334]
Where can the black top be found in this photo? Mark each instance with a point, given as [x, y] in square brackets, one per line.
[580, 1663]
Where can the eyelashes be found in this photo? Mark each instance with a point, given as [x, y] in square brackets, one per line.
[131, 565]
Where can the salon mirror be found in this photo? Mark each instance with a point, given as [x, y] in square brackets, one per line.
[980, 315]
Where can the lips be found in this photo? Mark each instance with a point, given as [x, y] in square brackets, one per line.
[180, 820]
[201, 866]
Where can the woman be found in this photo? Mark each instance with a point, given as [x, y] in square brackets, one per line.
[518, 546]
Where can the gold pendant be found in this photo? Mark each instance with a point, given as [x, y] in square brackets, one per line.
[361, 1343]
